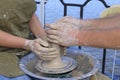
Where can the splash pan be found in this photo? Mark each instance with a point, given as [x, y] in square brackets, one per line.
[70, 65]
[86, 67]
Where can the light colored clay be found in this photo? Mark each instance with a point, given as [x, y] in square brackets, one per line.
[56, 62]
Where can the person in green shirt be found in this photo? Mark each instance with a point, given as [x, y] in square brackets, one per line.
[18, 24]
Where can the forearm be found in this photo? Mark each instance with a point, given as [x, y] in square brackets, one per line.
[8, 40]
[101, 39]
[103, 33]
[100, 23]
[36, 27]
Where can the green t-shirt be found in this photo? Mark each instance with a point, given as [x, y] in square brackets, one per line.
[14, 18]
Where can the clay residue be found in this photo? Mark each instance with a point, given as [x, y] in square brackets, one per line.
[85, 65]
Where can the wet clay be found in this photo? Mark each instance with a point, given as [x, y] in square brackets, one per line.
[54, 63]
[85, 64]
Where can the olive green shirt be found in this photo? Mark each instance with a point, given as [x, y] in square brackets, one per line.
[14, 18]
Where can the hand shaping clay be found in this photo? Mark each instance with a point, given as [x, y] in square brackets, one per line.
[56, 62]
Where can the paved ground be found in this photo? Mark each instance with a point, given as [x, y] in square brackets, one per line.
[54, 11]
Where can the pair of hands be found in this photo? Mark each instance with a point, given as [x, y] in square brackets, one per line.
[41, 48]
[64, 31]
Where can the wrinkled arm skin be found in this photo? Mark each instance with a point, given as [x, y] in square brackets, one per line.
[103, 33]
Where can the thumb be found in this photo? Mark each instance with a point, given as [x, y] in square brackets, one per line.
[51, 26]
[42, 42]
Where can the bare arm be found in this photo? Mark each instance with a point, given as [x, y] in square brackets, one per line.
[104, 32]
[36, 27]
[8, 40]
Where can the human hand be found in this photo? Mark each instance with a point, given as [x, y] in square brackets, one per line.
[41, 49]
[63, 33]
[69, 19]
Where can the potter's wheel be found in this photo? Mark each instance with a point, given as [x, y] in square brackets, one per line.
[70, 64]
[86, 67]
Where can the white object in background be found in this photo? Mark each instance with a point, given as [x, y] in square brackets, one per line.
[41, 11]
[113, 70]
